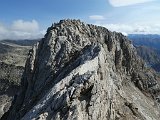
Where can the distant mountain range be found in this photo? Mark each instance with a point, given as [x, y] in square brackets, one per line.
[149, 40]
[148, 47]
[21, 42]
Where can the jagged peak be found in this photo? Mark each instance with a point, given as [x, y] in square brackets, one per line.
[82, 71]
[76, 28]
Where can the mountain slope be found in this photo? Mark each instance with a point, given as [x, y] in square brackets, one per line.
[21, 42]
[13, 53]
[150, 56]
[148, 47]
[10, 76]
[149, 40]
[85, 72]
[12, 62]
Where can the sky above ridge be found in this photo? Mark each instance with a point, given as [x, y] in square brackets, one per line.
[29, 19]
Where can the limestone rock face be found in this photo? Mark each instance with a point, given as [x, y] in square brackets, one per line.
[85, 72]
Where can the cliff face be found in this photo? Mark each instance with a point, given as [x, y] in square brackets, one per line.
[85, 72]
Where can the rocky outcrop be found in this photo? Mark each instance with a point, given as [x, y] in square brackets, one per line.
[85, 72]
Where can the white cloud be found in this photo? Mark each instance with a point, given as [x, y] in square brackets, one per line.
[3, 30]
[97, 17]
[135, 28]
[119, 3]
[27, 26]
[21, 29]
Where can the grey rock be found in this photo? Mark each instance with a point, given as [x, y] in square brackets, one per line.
[85, 72]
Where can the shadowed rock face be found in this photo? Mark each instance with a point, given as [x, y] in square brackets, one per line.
[85, 72]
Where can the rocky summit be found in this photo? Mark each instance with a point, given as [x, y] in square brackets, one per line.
[80, 71]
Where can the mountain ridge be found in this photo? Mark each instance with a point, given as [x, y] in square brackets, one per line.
[82, 71]
[150, 40]
[148, 48]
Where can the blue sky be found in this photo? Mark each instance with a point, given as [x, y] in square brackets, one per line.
[20, 19]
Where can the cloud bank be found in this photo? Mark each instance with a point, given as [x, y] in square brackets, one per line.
[135, 28]
[21, 29]
[120, 3]
[96, 17]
